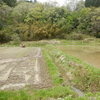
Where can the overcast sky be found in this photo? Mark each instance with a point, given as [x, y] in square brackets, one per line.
[61, 2]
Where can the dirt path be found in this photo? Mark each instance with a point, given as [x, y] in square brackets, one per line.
[23, 66]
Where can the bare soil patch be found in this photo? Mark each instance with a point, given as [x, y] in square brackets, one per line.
[20, 67]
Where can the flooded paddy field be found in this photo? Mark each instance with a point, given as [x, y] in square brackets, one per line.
[20, 67]
[89, 54]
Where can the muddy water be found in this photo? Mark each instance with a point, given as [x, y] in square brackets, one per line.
[89, 54]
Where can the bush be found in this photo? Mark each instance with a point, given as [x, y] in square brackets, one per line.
[4, 37]
[76, 36]
[15, 40]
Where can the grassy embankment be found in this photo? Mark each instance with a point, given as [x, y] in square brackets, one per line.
[88, 41]
[82, 75]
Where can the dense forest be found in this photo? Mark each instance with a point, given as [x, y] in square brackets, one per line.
[31, 20]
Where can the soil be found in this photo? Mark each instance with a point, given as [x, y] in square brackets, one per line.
[21, 67]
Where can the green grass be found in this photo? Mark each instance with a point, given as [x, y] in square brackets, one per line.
[84, 76]
[88, 41]
[14, 95]
[54, 71]
[55, 92]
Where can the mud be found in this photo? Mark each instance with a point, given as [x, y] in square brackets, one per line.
[21, 67]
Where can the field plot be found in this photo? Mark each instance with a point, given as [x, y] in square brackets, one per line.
[20, 67]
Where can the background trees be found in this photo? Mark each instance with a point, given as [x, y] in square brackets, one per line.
[92, 3]
[10, 3]
[36, 21]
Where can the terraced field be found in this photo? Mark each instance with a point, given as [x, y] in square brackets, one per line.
[53, 75]
[20, 67]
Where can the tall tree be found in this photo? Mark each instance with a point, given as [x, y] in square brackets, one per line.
[92, 3]
[10, 3]
[80, 5]
[35, 0]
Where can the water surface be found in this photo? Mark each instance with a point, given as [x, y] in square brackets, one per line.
[89, 54]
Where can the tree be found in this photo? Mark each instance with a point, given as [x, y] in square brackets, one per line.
[1, 3]
[35, 14]
[10, 3]
[80, 6]
[71, 4]
[35, 0]
[21, 10]
[92, 3]
[5, 15]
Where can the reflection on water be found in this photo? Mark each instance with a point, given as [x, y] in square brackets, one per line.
[88, 54]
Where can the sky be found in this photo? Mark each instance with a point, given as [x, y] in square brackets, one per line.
[60, 2]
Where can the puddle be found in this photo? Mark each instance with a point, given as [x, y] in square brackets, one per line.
[67, 79]
[80, 93]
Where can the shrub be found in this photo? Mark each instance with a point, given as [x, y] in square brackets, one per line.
[76, 36]
[15, 40]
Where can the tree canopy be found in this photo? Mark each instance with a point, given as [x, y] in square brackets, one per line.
[36, 21]
[92, 3]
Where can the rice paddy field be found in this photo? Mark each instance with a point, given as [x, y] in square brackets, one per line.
[50, 70]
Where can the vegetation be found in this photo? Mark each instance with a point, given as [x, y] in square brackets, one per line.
[78, 25]
[92, 3]
[35, 21]
[81, 74]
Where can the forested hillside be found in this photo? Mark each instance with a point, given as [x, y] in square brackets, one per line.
[28, 21]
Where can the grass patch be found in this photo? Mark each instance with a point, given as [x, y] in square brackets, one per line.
[54, 71]
[56, 92]
[14, 95]
[83, 75]
[87, 41]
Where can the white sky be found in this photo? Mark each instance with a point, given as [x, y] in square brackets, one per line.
[60, 2]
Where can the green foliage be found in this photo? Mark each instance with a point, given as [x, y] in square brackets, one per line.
[4, 37]
[11, 95]
[10, 3]
[37, 21]
[5, 15]
[92, 3]
[56, 92]
[80, 5]
[15, 40]
[53, 69]
[35, 14]
[90, 21]
[21, 10]
[35, 0]
[76, 36]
